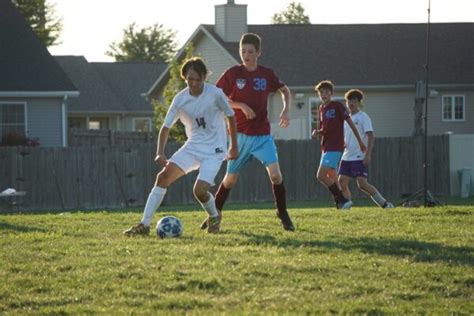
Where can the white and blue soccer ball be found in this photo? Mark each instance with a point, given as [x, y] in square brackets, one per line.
[169, 227]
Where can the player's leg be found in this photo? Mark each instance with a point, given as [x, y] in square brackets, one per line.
[207, 173]
[344, 182]
[346, 173]
[265, 151]
[373, 193]
[232, 174]
[164, 179]
[328, 164]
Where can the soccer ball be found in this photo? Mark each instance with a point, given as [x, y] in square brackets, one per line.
[169, 226]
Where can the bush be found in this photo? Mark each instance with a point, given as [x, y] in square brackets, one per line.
[17, 139]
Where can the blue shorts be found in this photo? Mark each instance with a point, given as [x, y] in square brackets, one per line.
[261, 147]
[353, 169]
[330, 159]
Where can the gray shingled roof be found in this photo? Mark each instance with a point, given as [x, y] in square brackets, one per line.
[95, 94]
[110, 87]
[365, 54]
[25, 63]
[129, 80]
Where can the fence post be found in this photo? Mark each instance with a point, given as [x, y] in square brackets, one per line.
[111, 137]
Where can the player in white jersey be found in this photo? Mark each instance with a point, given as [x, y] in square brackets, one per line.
[354, 162]
[202, 108]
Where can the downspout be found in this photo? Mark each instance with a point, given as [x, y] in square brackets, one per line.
[64, 119]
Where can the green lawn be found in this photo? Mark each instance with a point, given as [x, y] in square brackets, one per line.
[365, 261]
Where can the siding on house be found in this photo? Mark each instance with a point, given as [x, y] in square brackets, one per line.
[436, 125]
[45, 121]
[216, 58]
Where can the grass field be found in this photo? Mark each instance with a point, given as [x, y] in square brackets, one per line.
[365, 261]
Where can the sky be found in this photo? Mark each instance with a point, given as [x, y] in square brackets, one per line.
[90, 26]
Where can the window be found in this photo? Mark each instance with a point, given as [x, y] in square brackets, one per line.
[12, 118]
[453, 108]
[98, 123]
[142, 125]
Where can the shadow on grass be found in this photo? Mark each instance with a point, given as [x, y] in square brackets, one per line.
[20, 228]
[417, 251]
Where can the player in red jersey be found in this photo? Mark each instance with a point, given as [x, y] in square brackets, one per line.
[332, 115]
[247, 86]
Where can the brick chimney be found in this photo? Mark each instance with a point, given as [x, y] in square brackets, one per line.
[231, 21]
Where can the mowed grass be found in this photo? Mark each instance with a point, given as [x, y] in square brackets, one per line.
[365, 261]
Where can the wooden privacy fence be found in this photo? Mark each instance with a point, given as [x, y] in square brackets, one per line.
[85, 137]
[98, 177]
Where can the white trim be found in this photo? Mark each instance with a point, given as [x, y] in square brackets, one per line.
[25, 114]
[38, 94]
[453, 120]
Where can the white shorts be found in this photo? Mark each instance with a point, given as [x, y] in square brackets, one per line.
[188, 159]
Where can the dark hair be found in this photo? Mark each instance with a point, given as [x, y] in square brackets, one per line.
[196, 64]
[325, 84]
[354, 94]
[251, 38]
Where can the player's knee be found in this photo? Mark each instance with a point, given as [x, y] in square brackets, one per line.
[163, 180]
[230, 181]
[200, 194]
[276, 178]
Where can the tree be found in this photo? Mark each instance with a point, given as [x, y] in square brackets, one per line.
[153, 44]
[41, 16]
[294, 14]
[173, 86]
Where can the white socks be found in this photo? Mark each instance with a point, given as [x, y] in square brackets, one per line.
[378, 199]
[210, 206]
[152, 203]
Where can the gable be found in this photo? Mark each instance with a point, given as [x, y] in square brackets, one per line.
[25, 63]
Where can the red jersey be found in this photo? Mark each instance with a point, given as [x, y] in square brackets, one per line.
[332, 117]
[251, 88]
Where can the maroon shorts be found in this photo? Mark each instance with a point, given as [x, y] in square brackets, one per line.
[353, 169]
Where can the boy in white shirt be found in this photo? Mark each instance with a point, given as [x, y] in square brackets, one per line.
[201, 107]
[354, 162]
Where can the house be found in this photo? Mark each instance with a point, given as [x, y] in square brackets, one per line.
[34, 90]
[111, 93]
[386, 61]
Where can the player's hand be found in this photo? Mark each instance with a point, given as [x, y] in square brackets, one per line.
[161, 160]
[284, 119]
[248, 112]
[363, 148]
[367, 160]
[232, 154]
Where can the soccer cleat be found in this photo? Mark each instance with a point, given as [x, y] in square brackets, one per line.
[204, 223]
[286, 221]
[138, 229]
[346, 205]
[388, 205]
[214, 224]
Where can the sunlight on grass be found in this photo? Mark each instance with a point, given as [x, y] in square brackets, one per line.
[366, 261]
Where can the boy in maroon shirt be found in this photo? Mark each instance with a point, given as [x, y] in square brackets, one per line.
[247, 86]
[332, 115]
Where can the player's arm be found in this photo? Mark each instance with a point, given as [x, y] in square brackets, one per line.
[285, 113]
[356, 133]
[370, 145]
[247, 110]
[233, 151]
[160, 147]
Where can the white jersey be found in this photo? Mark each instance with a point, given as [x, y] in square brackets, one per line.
[202, 117]
[364, 125]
